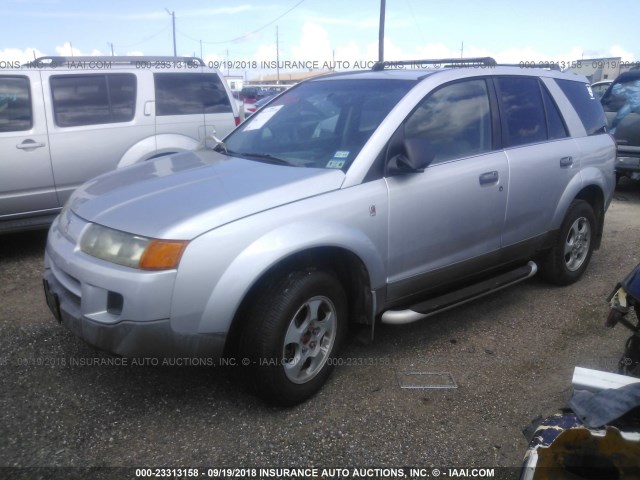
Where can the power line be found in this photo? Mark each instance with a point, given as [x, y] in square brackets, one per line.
[246, 34]
[145, 40]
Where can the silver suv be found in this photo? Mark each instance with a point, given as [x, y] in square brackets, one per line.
[353, 198]
[64, 120]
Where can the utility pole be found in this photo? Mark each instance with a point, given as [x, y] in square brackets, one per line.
[201, 49]
[173, 21]
[277, 57]
[462, 50]
[71, 47]
[381, 32]
[111, 45]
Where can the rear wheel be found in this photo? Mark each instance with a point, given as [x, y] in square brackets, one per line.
[293, 330]
[565, 263]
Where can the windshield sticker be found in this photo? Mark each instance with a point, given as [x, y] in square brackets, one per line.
[262, 117]
[341, 154]
[335, 164]
[590, 92]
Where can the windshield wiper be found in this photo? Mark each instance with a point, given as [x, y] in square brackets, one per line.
[266, 157]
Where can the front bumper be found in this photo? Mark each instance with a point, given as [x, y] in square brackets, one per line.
[80, 291]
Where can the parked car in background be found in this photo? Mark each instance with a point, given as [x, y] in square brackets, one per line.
[598, 88]
[64, 120]
[253, 94]
[621, 104]
[259, 104]
[351, 198]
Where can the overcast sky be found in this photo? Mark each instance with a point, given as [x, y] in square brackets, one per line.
[323, 30]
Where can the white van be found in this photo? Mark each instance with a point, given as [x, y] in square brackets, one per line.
[64, 120]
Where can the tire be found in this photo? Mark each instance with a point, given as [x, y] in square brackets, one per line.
[569, 257]
[629, 364]
[293, 330]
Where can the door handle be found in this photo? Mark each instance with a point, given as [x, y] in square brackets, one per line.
[29, 145]
[488, 178]
[566, 162]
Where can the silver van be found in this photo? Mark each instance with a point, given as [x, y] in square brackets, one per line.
[64, 120]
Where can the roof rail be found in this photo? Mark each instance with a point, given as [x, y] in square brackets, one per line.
[59, 60]
[443, 62]
[549, 65]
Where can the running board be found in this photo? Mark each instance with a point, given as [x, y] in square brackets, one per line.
[458, 297]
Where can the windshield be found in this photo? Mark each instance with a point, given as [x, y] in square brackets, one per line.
[321, 124]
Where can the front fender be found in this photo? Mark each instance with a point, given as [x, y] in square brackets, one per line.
[220, 266]
[275, 247]
[209, 305]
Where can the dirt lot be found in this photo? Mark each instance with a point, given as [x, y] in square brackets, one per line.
[511, 355]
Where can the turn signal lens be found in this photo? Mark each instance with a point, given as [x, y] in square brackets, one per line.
[162, 254]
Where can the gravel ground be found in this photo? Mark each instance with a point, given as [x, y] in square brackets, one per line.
[511, 356]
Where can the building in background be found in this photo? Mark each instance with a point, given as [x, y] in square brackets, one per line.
[597, 69]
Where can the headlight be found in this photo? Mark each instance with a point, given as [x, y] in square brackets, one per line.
[131, 250]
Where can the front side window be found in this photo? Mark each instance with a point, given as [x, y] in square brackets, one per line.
[190, 94]
[522, 111]
[15, 104]
[455, 119]
[93, 99]
[321, 124]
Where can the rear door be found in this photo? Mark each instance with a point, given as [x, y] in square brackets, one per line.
[26, 178]
[542, 159]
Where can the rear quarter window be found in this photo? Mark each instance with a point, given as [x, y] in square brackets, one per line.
[585, 104]
[190, 93]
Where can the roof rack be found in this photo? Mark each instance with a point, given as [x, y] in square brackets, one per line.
[443, 62]
[59, 60]
[549, 65]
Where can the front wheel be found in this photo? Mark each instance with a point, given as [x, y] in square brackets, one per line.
[565, 263]
[293, 330]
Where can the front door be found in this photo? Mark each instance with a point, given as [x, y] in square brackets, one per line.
[26, 178]
[451, 214]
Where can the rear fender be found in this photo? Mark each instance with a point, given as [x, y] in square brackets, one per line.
[591, 186]
[156, 146]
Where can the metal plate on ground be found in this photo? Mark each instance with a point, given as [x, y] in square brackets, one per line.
[426, 380]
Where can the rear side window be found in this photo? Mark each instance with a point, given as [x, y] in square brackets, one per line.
[585, 104]
[15, 104]
[93, 99]
[456, 119]
[190, 93]
[523, 114]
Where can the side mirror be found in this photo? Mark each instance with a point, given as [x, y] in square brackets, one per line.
[416, 155]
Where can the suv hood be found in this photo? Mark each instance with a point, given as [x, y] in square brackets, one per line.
[182, 196]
